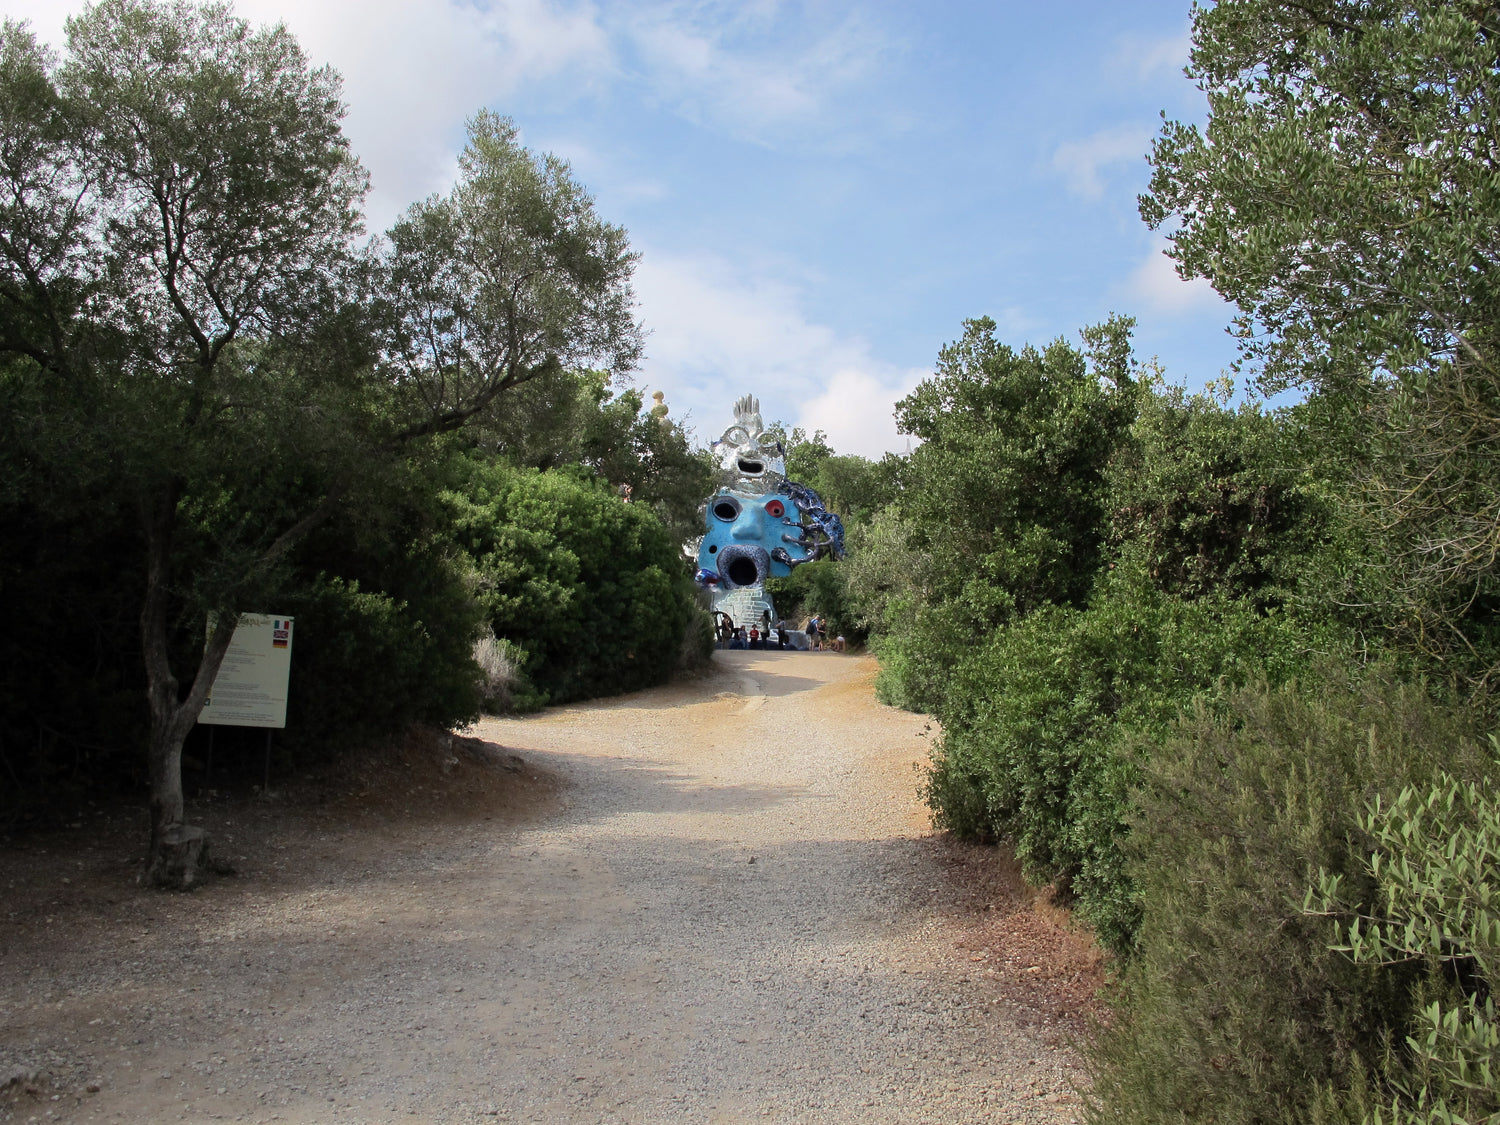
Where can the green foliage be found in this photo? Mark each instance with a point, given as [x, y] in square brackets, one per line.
[574, 418]
[1007, 489]
[1205, 500]
[1209, 528]
[510, 276]
[885, 576]
[855, 487]
[590, 589]
[1339, 197]
[818, 588]
[212, 401]
[1336, 194]
[1435, 866]
[1038, 716]
[369, 666]
[1236, 1008]
[1004, 501]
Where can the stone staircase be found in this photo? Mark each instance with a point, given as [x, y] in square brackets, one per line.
[745, 605]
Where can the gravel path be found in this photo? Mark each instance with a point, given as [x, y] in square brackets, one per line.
[727, 907]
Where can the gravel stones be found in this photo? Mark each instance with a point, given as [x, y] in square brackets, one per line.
[717, 901]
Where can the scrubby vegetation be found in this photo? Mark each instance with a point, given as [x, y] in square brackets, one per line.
[1224, 675]
[215, 400]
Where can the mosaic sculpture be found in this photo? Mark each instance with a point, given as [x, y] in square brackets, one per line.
[760, 525]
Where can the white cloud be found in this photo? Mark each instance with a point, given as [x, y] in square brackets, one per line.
[857, 411]
[1155, 284]
[736, 68]
[1149, 58]
[414, 71]
[718, 333]
[1081, 162]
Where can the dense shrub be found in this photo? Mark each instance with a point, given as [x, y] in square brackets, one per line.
[1436, 868]
[1037, 718]
[1002, 508]
[1236, 1009]
[72, 714]
[590, 591]
[1207, 500]
[368, 664]
[820, 588]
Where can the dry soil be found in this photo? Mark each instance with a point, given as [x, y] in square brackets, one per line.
[718, 901]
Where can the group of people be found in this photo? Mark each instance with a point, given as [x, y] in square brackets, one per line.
[764, 635]
[756, 636]
[818, 639]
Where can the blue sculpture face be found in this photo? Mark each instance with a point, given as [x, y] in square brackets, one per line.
[750, 538]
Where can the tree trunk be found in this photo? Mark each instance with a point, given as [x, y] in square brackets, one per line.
[177, 856]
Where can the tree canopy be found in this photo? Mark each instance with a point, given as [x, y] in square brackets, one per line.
[190, 331]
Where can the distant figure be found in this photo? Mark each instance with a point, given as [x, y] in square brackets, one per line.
[738, 640]
[754, 637]
[838, 643]
[813, 638]
[781, 637]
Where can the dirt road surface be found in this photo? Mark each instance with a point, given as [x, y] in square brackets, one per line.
[718, 901]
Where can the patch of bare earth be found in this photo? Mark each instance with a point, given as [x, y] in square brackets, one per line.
[717, 901]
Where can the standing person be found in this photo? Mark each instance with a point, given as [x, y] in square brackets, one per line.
[754, 637]
[812, 634]
[781, 637]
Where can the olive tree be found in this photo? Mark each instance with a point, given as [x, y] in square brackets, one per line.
[1344, 194]
[197, 338]
[509, 276]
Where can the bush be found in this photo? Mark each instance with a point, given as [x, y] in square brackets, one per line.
[1036, 720]
[1235, 1008]
[820, 588]
[366, 665]
[1436, 871]
[1207, 501]
[589, 591]
[504, 682]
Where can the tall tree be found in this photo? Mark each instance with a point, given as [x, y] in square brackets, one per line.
[187, 315]
[510, 276]
[1345, 195]
[179, 184]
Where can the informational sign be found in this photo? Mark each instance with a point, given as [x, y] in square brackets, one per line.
[250, 689]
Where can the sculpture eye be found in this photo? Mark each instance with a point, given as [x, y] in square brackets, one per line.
[736, 435]
[726, 508]
[775, 509]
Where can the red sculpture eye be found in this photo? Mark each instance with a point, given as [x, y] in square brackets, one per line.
[776, 509]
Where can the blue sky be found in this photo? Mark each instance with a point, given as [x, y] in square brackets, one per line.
[821, 192]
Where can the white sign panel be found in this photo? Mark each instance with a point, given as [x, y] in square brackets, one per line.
[250, 689]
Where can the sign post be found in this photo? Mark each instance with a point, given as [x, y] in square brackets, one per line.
[251, 687]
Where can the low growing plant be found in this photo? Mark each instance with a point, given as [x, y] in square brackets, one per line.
[1237, 1007]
